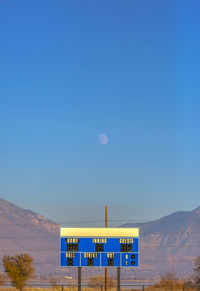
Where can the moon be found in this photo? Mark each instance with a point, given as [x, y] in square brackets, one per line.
[103, 138]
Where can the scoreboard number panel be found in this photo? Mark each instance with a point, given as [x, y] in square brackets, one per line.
[99, 247]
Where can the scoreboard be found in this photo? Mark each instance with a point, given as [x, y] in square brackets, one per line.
[99, 247]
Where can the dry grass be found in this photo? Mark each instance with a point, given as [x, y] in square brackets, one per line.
[99, 288]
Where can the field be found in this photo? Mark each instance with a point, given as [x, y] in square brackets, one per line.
[101, 288]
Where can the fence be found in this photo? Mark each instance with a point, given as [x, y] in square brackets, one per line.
[102, 288]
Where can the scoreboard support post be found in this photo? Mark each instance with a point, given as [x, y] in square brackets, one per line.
[118, 278]
[79, 278]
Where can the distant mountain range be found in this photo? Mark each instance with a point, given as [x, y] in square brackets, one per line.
[168, 244]
[23, 230]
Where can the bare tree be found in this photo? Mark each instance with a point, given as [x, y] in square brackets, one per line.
[19, 269]
[2, 279]
[169, 282]
[54, 282]
[100, 280]
[169, 278]
[197, 271]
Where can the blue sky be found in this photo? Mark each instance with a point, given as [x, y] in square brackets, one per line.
[70, 70]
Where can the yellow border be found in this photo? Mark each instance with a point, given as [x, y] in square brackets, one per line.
[99, 232]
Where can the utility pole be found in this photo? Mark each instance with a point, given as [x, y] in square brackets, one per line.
[106, 270]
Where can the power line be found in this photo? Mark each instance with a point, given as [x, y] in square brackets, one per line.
[56, 236]
[57, 225]
[29, 237]
[54, 226]
[28, 250]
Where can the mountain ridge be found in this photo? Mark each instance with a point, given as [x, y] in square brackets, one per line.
[168, 243]
[171, 242]
[13, 214]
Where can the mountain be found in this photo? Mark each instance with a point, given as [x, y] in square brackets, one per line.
[168, 244]
[23, 231]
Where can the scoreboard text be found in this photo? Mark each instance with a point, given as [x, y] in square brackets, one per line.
[99, 247]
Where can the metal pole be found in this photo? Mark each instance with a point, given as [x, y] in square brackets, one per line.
[118, 278]
[79, 278]
[106, 270]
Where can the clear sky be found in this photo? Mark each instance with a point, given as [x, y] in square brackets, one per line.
[73, 69]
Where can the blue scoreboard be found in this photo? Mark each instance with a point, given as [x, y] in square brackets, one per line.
[99, 247]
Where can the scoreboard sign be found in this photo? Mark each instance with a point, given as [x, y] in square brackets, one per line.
[99, 247]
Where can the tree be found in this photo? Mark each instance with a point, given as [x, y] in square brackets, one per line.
[19, 269]
[54, 281]
[169, 282]
[2, 279]
[169, 278]
[100, 280]
[197, 271]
